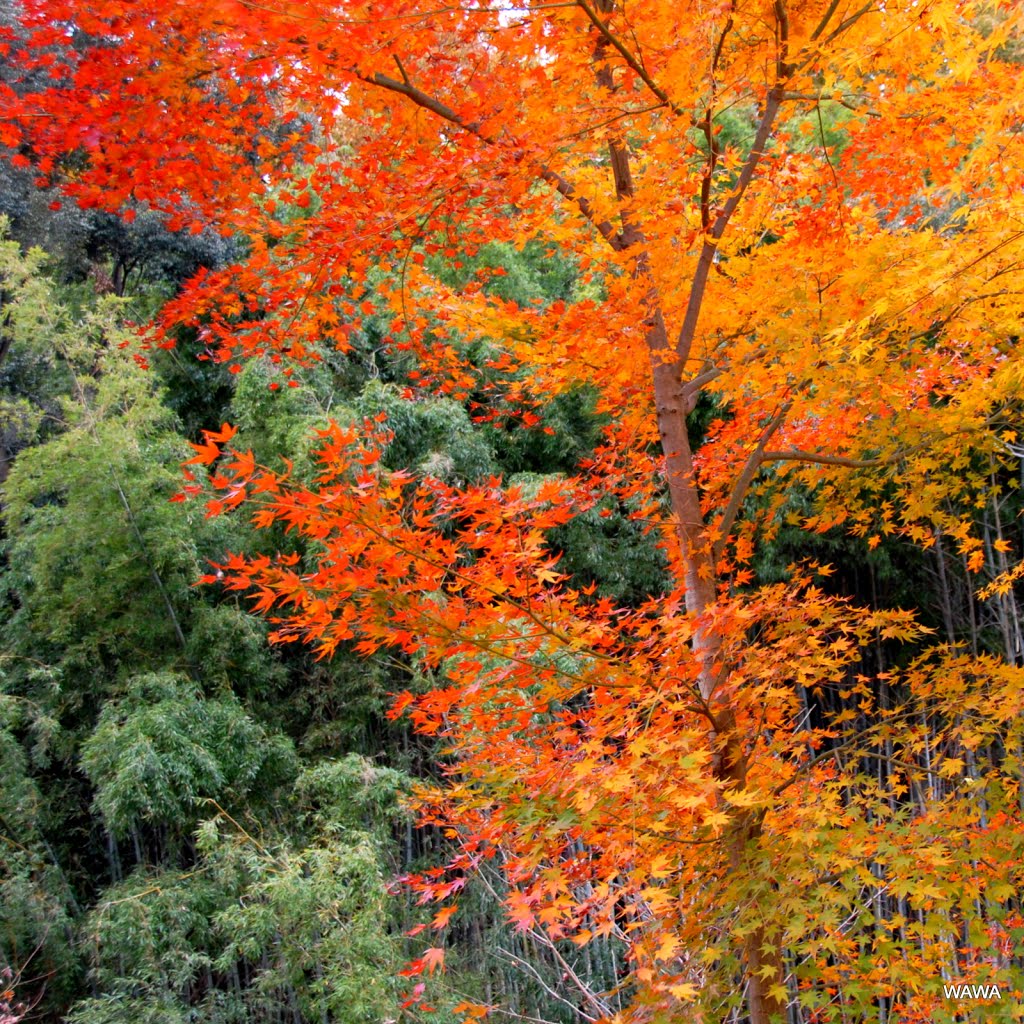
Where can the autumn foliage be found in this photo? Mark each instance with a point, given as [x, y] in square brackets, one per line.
[800, 219]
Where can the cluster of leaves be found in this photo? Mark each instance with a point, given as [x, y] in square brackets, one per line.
[510, 266]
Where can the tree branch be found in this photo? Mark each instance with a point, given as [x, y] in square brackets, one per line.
[828, 460]
[825, 19]
[688, 331]
[560, 184]
[425, 100]
[746, 478]
[628, 57]
[709, 132]
[720, 46]
[782, 68]
[843, 101]
[693, 386]
[847, 22]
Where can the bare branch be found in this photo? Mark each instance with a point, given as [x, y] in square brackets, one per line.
[530, 969]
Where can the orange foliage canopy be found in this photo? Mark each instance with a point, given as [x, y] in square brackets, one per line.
[810, 209]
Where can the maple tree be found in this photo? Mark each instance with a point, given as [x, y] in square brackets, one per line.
[805, 216]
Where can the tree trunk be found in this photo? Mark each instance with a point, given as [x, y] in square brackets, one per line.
[674, 401]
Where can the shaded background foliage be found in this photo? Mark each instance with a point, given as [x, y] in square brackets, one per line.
[195, 826]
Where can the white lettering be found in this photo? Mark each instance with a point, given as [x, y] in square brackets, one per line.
[971, 992]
